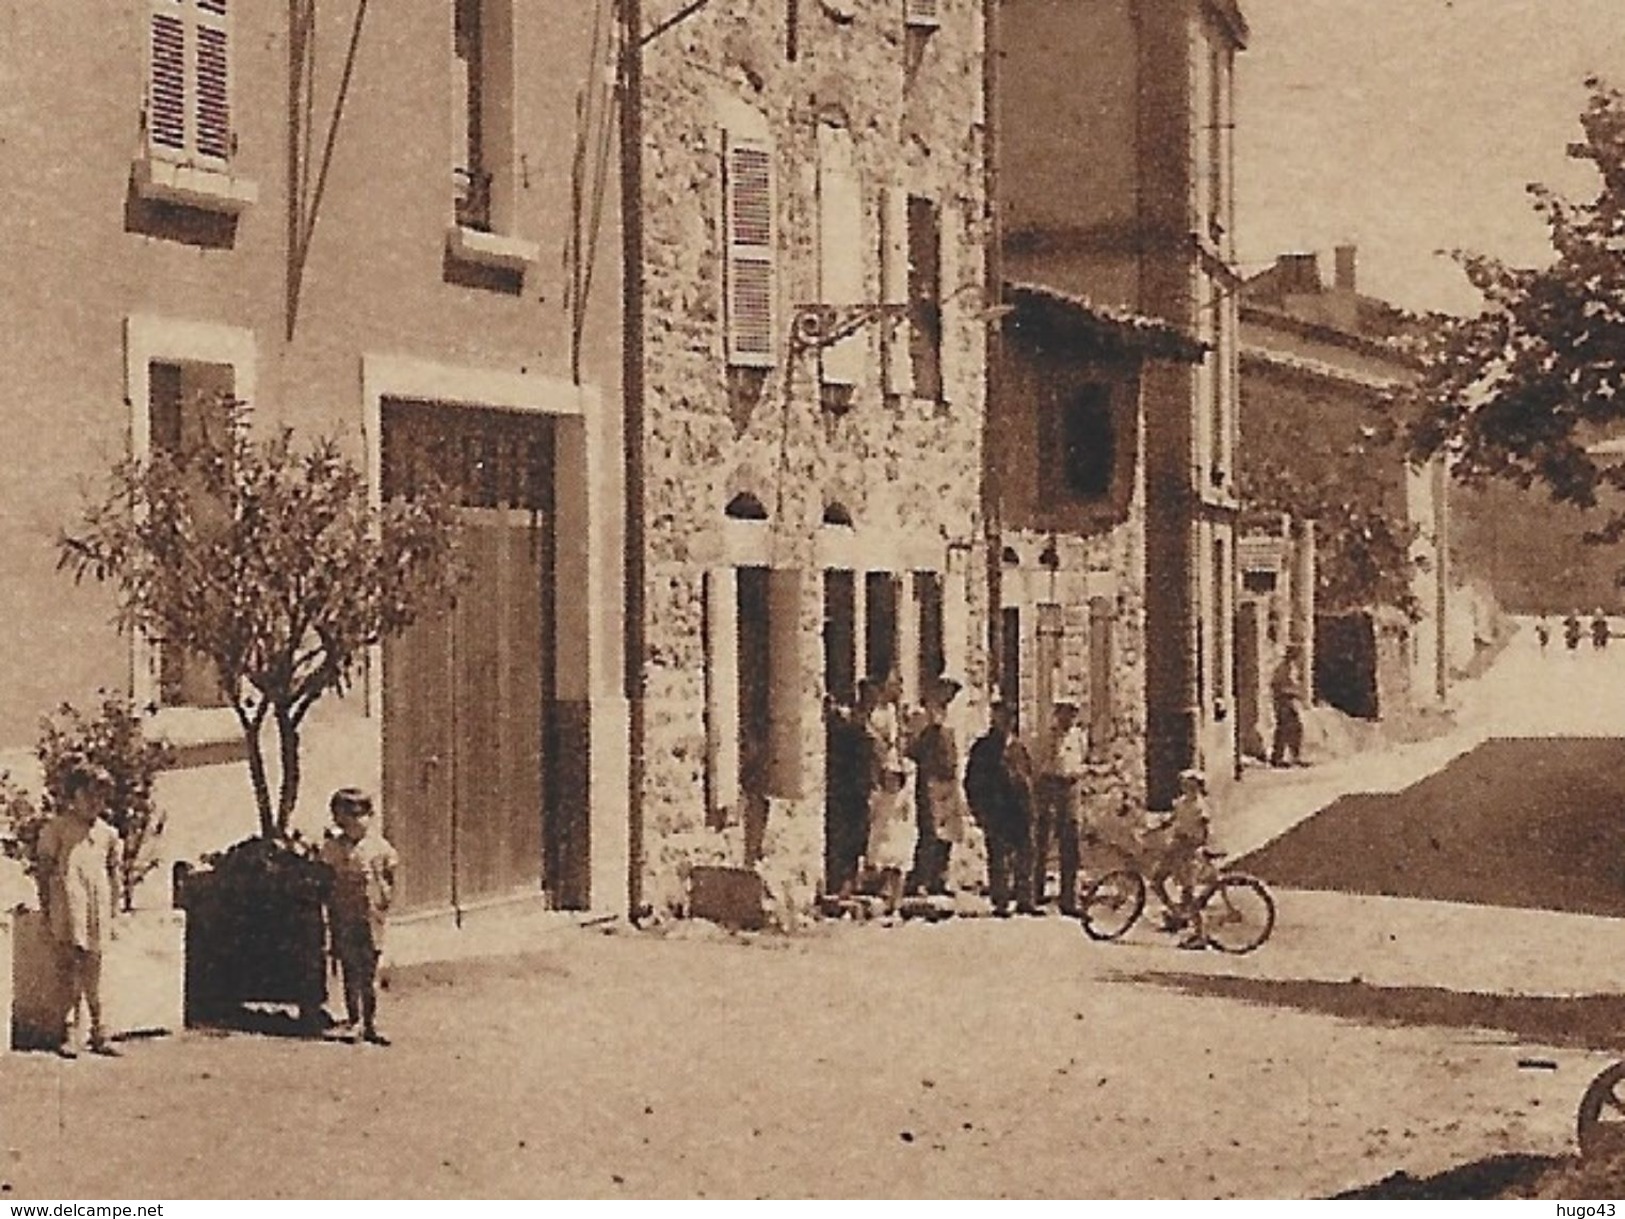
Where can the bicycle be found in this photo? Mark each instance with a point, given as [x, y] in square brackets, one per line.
[1231, 911]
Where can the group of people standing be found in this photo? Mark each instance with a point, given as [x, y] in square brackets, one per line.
[1574, 630]
[923, 829]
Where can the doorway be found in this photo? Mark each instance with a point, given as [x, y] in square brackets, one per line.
[467, 691]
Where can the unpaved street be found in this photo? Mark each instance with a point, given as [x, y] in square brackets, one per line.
[976, 1057]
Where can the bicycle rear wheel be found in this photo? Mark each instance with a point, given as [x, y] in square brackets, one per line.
[1110, 906]
[1237, 914]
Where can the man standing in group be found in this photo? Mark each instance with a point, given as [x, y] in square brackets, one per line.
[998, 785]
[1286, 694]
[937, 801]
[1058, 802]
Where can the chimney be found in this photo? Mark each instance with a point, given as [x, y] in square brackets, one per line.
[1298, 274]
[1345, 280]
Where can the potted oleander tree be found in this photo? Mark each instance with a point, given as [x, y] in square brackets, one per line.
[269, 558]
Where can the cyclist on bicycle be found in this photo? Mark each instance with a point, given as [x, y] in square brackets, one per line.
[1175, 843]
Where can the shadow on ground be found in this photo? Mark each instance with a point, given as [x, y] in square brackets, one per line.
[1588, 1022]
[1526, 823]
[1481, 1181]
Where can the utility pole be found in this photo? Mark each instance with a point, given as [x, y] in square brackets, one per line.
[629, 78]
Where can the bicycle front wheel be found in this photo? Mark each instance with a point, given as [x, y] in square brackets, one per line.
[1110, 905]
[1238, 914]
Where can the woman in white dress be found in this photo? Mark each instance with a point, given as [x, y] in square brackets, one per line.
[892, 831]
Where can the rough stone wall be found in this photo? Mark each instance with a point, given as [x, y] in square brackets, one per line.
[906, 469]
[1109, 564]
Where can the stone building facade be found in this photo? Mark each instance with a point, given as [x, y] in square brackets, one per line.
[814, 344]
[223, 198]
[1134, 210]
[1068, 453]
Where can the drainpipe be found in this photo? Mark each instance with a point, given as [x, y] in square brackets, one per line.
[993, 292]
[632, 390]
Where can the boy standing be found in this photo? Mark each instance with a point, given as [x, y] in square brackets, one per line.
[80, 895]
[363, 865]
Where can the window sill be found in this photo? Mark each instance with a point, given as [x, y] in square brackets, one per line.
[211, 190]
[491, 249]
[199, 736]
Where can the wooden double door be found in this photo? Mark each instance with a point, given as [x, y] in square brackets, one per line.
[467, 691]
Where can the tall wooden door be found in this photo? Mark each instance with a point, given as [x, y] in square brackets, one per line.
[467, 690]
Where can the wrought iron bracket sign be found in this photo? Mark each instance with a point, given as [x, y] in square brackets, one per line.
[818, 326]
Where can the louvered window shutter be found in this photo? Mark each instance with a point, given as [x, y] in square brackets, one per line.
[894, 291]
[212, 97]
[840, 248]
[721, 694]
[189, 78]
[749, 279]
[923, 13]
[166, 81]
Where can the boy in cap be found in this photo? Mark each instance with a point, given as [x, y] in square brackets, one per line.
[1178, 841]
[364, 867]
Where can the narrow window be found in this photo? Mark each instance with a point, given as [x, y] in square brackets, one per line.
[1221, 620]
[840, 248]
[932, 658]
[189, 406]
[482, 118]
[880, 597]
[896, 346]
[1086, 443]
[925, 297]
[189, 80]
[472, 179]
[1010, 656]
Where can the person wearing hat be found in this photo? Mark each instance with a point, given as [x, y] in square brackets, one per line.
[998, 784]
[1178, 840]
[938, 805]
[1057, 803]
[1286, 697]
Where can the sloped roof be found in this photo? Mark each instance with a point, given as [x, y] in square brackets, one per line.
[1116, 330]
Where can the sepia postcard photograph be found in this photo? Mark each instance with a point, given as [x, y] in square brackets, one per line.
[921, 600]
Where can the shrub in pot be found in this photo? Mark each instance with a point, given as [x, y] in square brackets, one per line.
[269, 559]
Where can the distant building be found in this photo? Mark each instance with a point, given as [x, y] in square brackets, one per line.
[1317, 362]
[1115, 140]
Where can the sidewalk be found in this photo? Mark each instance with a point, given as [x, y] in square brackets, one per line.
[1266, 803]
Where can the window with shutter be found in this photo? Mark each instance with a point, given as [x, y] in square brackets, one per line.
[840, 248]
[749, 280]
[189, 80]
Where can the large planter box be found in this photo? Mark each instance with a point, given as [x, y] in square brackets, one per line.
[142, 973]
[251, 941]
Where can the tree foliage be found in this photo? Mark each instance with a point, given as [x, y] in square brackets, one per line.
[1362, 550]
[1524, 390]
[268, 558]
